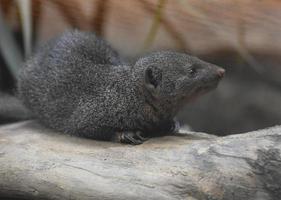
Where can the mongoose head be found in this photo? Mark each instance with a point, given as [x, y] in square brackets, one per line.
[176, 77]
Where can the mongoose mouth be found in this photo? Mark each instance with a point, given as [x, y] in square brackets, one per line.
[199, 92]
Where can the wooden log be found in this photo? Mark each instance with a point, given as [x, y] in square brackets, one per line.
[36, 163]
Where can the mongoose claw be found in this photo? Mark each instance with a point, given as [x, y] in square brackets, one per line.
[130, 137]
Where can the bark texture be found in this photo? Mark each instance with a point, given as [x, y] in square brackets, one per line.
[36, 163]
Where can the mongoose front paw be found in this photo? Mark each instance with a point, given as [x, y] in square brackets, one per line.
[130, 137]
[175, 127]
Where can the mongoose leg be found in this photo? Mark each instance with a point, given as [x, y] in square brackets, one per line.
[175, 127]
[130, 137]
[170, 127]
[166, 128]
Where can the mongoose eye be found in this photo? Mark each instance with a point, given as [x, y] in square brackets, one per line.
[192, 71]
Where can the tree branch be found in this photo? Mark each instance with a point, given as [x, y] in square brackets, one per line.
[36, 163]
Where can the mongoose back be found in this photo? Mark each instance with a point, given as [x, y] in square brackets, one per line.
[77, 84]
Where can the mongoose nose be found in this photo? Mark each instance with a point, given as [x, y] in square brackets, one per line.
[220, 72]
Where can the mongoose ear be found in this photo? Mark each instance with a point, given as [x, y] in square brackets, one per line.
[153, 77]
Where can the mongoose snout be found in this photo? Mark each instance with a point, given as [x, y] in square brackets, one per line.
[221, 72]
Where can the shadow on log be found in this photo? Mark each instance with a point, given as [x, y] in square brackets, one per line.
[38, 164]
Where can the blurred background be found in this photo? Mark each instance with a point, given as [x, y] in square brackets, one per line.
[242, 36]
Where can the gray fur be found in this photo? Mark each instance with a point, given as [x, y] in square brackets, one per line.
[77, 84]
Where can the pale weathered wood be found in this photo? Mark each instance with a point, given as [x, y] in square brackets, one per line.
[36, 163]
